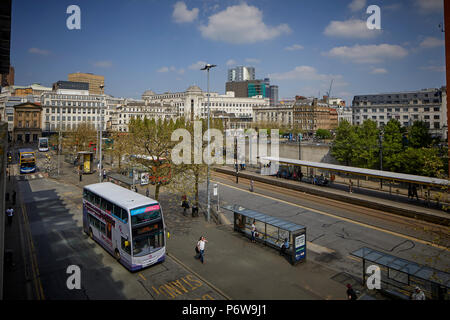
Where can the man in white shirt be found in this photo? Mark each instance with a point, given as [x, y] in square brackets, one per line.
[10, 213]
[418, 294]
[201, 247]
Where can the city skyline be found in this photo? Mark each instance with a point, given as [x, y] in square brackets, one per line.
[301, 47]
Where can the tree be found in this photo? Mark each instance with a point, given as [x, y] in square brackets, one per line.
[121, 145]
[422, 162]
[342, 148]
[419, 135]
[323, 134]
[151, 141]
[392, 145]
[78, 138]
[367, 145]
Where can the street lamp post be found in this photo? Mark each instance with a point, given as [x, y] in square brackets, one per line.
[101, 135]
[207, 67]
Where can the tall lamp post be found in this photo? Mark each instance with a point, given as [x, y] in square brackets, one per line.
[207, 67]
[101, 135]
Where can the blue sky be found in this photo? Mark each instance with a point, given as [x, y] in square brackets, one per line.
[300, 44]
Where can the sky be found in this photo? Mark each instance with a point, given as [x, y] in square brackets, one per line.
[301, 45]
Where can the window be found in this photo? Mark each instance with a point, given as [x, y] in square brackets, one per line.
[436, 125]
[426, 117]
[426, 109]
[405, 117]
[436, 117]
[436, 109]
[126, 246]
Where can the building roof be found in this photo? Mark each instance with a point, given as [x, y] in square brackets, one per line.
[148, 93]
[194, 88]
[120, 196]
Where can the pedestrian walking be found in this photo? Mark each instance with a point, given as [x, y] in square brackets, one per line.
[104, 174]
[350, 186]
[351, 294]
[9, 214]
[147, 193]
[253, 232]
[14, 197]
[184, 205]
[135, 189]
[418, 294]
[201, 248]
[251, 185]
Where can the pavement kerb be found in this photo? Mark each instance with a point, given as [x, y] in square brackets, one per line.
[375, 204]
[200, 277]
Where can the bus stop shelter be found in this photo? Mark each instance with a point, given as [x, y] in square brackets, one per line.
[399, 277]
[271, 231]
[120, 179]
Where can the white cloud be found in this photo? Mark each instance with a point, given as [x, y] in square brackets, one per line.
[231, 62]
[182, 14]
[241, 24]
[252, 60]
[431, 42]
[170, 69]
[379, 71]
[308, 73]
[357, 5]
[434, 68]
[430, 5]
[353, 28]
[294, 47]
[198, 65]
[368, 53]
[163, 69]
[41, 52]
[103, 64]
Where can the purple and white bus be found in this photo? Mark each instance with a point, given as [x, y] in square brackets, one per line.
[127, 224]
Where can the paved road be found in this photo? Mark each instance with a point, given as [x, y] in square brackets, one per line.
[54, 218]
[341, 228]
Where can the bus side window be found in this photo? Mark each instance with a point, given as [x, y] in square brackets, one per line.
[124, 215]
[109, 207]
[85, 193]
[96, 200]
[90, 197]
[103, 204]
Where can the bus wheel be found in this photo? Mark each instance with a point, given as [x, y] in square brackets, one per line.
[91, 235]
[117, 254]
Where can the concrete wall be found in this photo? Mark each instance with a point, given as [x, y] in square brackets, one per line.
[309, 152]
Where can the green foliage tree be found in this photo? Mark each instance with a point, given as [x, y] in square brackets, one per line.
[323, 134]
[419, 135]
[392, 145]
[343, 145]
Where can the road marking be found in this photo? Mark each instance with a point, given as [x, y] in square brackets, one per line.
[339, 218]
[140, 274]
[198, 276]
[354, 258]
[314, 247]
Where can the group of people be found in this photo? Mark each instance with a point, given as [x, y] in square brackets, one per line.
[254, 235]
[418, 294]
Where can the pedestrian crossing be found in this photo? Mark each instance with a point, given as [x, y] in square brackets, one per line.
[28, 177]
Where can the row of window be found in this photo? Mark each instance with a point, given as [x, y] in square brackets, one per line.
[74, 118]
[427, 109]
[72, 97]
[405, 117]
[105, 205]
[72, 110]
[406, 124]
[27, 124]
[74, 103]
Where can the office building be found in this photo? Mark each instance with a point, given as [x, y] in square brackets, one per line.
[27, 122]
[241, 73]
[69, 87]
[427, 105]
[95, 81]
[247, 89]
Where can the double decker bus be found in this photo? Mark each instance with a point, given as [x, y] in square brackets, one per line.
[43, 144]
[27, 160]
[127, 224]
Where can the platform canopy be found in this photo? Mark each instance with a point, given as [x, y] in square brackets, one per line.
[387, 175]
[405, 266]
